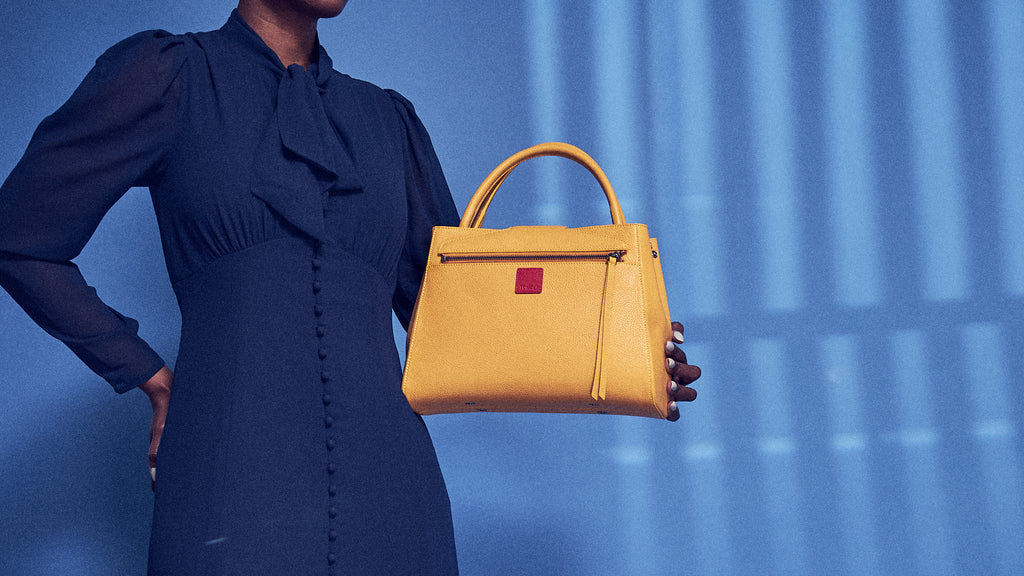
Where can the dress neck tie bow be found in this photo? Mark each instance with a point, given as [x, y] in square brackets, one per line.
[302, 156]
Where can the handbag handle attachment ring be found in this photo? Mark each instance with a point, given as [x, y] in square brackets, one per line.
[473, 217]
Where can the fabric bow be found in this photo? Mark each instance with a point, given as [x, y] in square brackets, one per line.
[301, 157]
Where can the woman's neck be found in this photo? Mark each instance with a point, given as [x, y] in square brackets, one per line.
[289, 33]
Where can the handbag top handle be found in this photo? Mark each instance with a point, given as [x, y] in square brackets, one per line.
[473, 217]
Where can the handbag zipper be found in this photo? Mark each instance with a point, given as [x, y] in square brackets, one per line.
[599, 386]
[534, 256]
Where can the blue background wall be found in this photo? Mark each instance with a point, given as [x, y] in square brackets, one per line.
[838, 186]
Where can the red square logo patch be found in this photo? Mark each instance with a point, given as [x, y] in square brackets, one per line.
[529, 280]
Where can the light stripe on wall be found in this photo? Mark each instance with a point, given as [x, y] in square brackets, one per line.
[699, 194]
[990, 403]
[929, 521]
[849, 452]
[546, 106]
[1006, 22]
[703, 452]
[615, 74]
[775, 158]
[851, 178]
[638, 509]
[937, 162]
[778, 457]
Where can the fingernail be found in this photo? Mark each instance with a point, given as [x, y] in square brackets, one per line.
[673, 407]
[669, 347]
[678, 336]
[674, 387]
[671, 364]
[152, 473]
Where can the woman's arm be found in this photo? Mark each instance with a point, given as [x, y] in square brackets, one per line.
[110, 135]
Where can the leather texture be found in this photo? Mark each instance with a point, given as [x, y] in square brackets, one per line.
[540, 318]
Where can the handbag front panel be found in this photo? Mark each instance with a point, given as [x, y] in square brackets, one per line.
[478, 344]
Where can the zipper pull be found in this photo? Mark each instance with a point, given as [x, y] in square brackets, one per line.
[599, 387]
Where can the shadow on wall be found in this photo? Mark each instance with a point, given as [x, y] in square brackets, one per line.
[78, 504]
[500, 545]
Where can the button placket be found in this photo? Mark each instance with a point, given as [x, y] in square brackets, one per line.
[325, 380]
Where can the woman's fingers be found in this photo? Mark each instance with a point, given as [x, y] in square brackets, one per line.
[673, 351]
[673, 412]
[676, 366]
[158, 388]
[681, 373]
[678, 393]
[677, 332]
[156, 430]
[681, 392]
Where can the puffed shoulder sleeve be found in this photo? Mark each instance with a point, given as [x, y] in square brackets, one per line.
[430, 204]
[111, 134]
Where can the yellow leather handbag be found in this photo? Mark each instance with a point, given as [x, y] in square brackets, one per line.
[540, 318]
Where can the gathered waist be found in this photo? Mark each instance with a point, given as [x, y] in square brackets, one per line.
[278, 299]
[282, 278]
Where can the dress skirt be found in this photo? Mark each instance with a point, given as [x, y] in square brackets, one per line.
[298, 442]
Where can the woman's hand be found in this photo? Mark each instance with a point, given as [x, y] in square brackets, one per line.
[158, 388]
[682, 373]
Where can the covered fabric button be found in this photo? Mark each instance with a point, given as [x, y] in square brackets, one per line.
[327, 399]
[321, 353]
[316, 263]
[328, 421]
[332, 535]
[317, 286]
[331, 468]
[332, 512]
[330, 443]
[320, 330]
[318, 310]
[331, 559]
[325, 376]
[332, 490]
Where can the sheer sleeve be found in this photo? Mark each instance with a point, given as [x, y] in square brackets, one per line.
[109, 136]
[430, 204]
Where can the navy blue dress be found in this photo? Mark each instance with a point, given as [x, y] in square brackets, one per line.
[295, 208]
